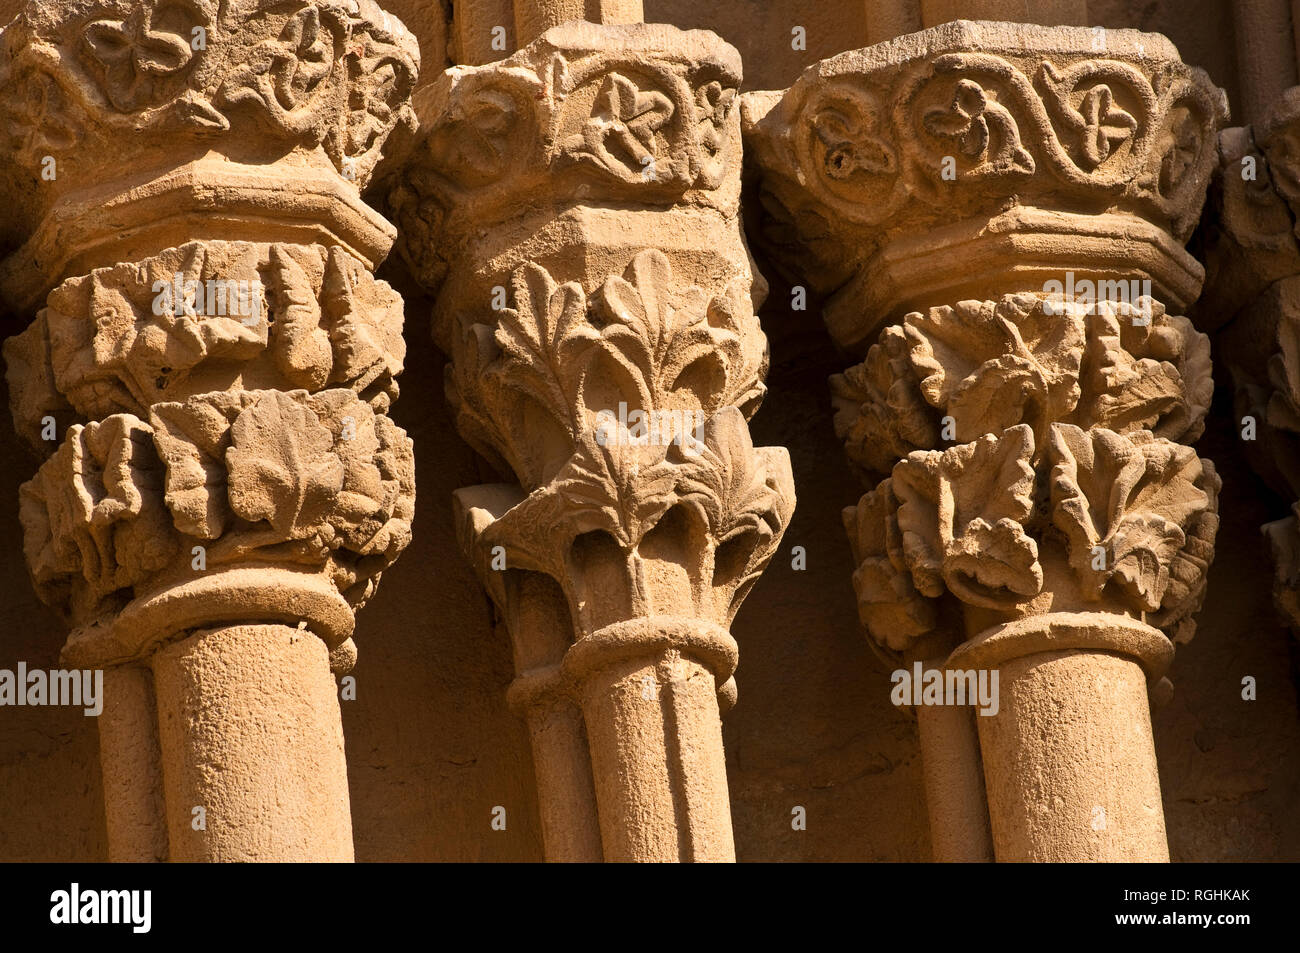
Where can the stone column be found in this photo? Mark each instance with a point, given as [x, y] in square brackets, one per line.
[535, 17]
[888, 19]
[950, 762]
[213, 360]
[576, 208]
[1252, 307]
[994, 216]
[1266, 54]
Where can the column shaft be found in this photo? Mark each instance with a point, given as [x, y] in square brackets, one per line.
[1070, 762]
[535, 17]
[131, 766]
[656, 747]
[250, 729]
[566, 798]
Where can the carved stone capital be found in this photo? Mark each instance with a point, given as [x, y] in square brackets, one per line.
[230, 507]
[1104, 522]
[995, 215]
[958, 371]
[136, 121]
[584, 115]
[209, 352]
[576, 208]
[1253, 305]
[201, 317]
[1021, 152]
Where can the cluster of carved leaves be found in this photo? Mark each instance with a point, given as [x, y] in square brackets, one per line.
[973, 127]
[253, 476]
[333, 73]
[1031, 359]
[530, 389]
[1148, 504]
[737, 499]
[313, 318]
[1136, 514]
[94, 521]
[530, 386]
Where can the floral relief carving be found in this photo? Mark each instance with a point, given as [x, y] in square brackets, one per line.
[620, 136]
[890, 606]
[1133, 509]
[42, 119]
[994, 364]
[961, 515]
[94, 521]
[557, 359]
[564, 117]
[1033, 359]
[281, 467]
[292, 477]
[124, 338]
[846, 140]
[286, 74]
[740, 499]
[880, 412]
[1124, 503]
[136, 56]
[1131, 126]
[982, 128]
[540, 391]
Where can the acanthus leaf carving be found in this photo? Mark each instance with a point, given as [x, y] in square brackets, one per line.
[880, 412]
[962, 513]
[191, 438]
[1024, 358]
[1131, 509]
[889, 605]
[991, 365]
[1145, 370]
[281, 467]
[740, 499]
[292, 479]
[1124, 503]
[563, 361]
[93, 518]
[744, 494]
[124, 338]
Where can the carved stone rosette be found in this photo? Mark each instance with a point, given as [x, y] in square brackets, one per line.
[995, 216]
[208, 373]
[575, 206]
[1252, 305]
